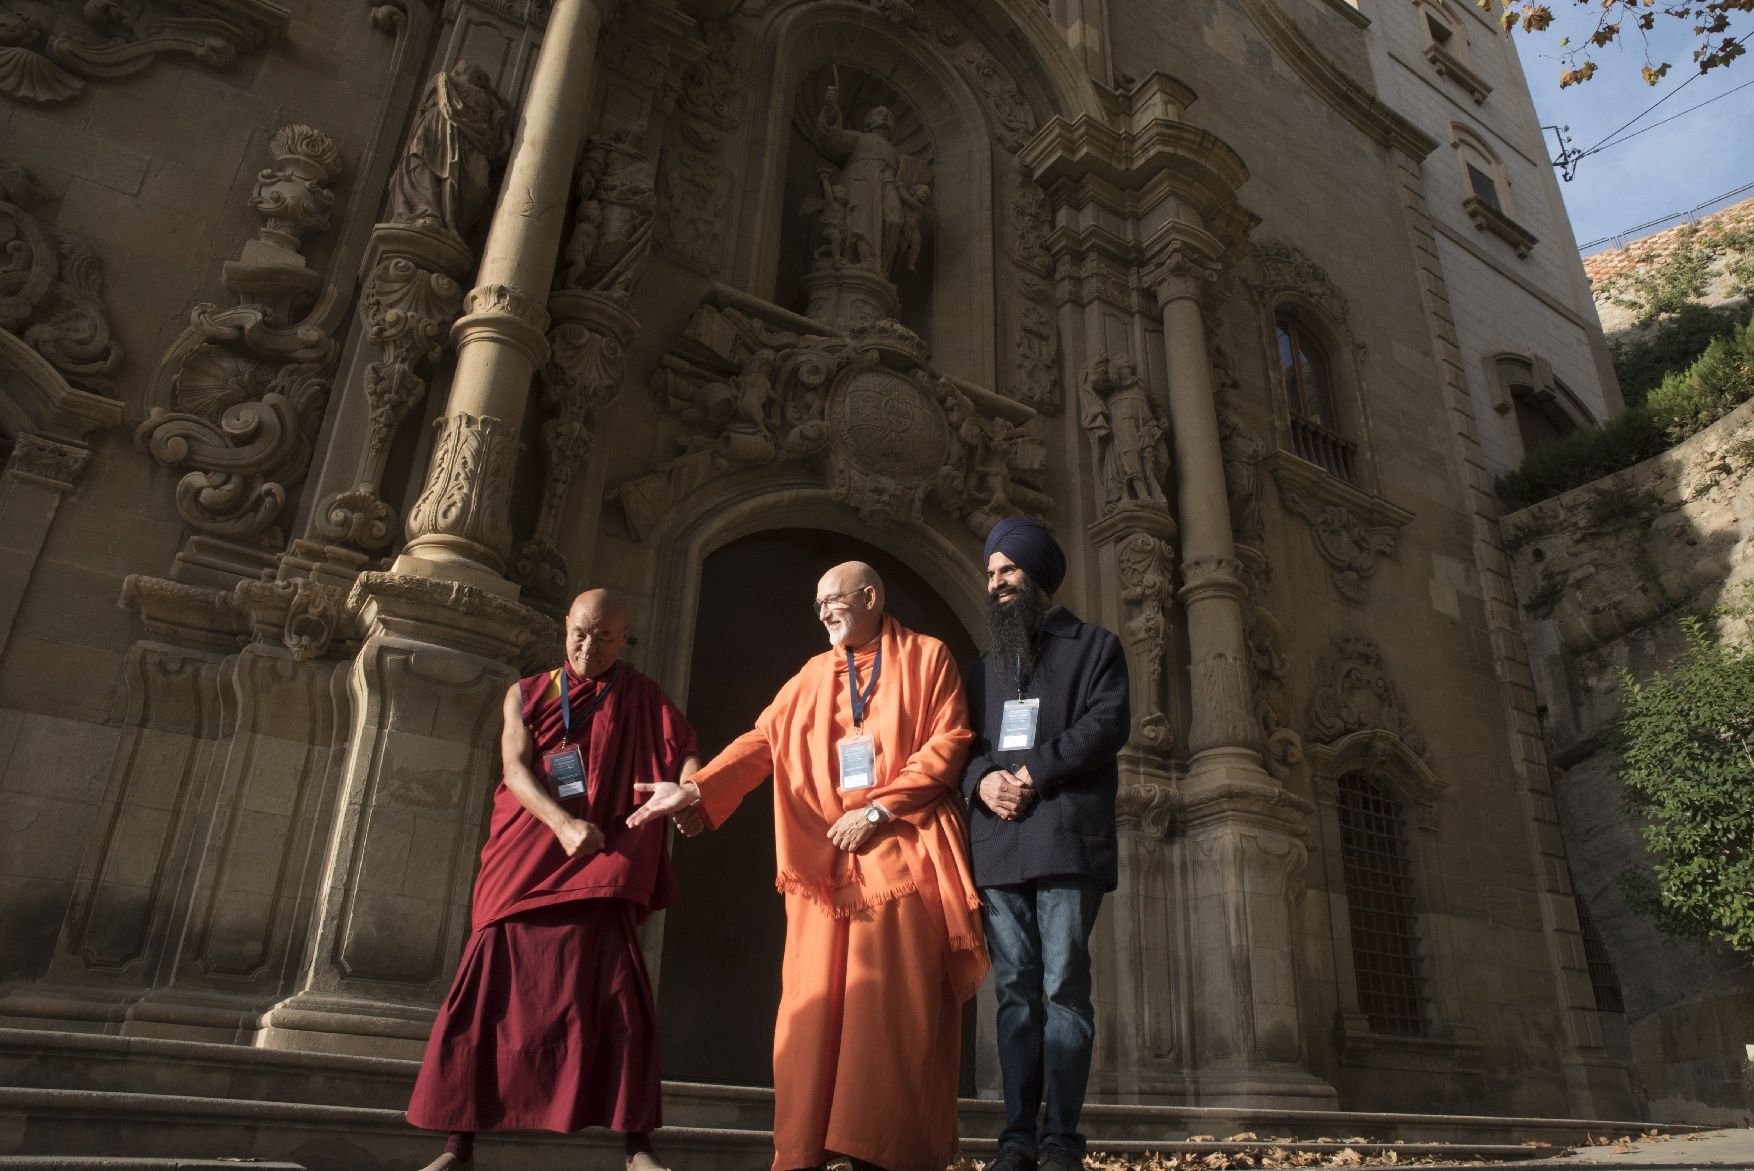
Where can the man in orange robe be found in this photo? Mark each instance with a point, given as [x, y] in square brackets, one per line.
[883, 936]
[549, 1024]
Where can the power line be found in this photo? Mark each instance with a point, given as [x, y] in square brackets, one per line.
[1637, 117]
[1670, 118]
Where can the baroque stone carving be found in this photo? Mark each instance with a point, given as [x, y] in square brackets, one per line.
[1147, 571]
[1029, 226]
[1351, 530]
[50, 288]
[1035, 360]
[1354, 693]
[1283, 269]
[586, 359]
[410, 298]
[872, 209]
[51, 61]
[1127, 434]
[710, 87]
[1146, 807]
[612, 217]
[1242, 450]
[444, 177]
[694, 194]
[1013, 122]
[55, 464]
[240, 395]
[888, 435]
[1265, 640]
[468, 483]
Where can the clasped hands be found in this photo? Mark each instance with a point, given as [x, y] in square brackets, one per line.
[1008, 794]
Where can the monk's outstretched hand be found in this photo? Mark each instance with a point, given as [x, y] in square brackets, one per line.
[665, 798]
[578, 837]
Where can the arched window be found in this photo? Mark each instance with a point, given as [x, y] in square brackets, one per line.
[1488, 199]
[1544, 409]
[1307, 375]
[1387, 957]
[1446, 47]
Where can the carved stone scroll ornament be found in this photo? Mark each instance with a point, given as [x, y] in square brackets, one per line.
[612, 217]
[50, 289]
[889, 435]
[51, 59]
[240, 395]
[1266, 640]
[1148, 808]
[1036, 360]
[444, 177]
[1127, 433]
[694, 194]
[1013, 122]
[1354, 693]
[710, 88]
[1282, 269]
[1351, 530]
[1030, 222]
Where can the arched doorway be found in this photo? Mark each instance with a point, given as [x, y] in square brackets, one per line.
[720, 973]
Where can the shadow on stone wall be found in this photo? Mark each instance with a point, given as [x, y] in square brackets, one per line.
[1603, 574]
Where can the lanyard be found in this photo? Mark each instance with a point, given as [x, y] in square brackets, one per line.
[1023, 670]
[862, 701]
[590, 708]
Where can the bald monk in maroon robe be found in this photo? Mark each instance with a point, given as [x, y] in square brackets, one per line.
[550, 1023]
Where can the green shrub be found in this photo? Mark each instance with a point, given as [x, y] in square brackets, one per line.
[1673, 345]
[1682, 405]
[1686, 738]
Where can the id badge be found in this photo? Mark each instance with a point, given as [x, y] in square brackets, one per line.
[1017, 725]
[566, 769]
[858, 763]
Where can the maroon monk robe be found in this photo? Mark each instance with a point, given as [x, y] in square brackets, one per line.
[550, 1023]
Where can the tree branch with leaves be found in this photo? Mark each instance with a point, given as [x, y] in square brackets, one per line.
[1616, 20]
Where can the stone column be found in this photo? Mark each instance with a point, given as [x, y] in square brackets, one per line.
[1241, 845]
[460, 528]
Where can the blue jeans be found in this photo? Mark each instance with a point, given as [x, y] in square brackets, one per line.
[1038, 934]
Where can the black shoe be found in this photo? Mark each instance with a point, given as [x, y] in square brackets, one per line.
[1011, 1159]
[1055, 1159]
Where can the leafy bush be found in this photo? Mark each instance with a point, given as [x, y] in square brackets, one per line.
[1686, 737]
[1674, 345]
[1682, 405]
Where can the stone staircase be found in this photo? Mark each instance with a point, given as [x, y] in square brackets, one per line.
[79, 1102]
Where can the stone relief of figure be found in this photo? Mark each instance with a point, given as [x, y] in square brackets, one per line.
[1242, 451]
[841, 245]
[444, 177]
[886, 193]
[1126, 432]
[617, 204]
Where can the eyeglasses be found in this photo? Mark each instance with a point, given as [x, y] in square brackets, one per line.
[835, 601]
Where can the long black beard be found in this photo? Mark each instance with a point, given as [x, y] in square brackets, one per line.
[1011, 628]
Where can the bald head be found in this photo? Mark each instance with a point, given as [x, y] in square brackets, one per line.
[596, 632]
[849, 604]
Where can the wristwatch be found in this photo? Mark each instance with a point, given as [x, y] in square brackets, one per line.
[874, 815]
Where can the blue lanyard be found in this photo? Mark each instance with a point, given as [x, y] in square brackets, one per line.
[590, 708]
[862, 701]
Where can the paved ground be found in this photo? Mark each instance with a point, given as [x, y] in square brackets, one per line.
[1712, 1148]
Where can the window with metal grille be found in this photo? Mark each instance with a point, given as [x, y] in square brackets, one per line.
[1308, 379]
[1603, 980]
[1379, 897]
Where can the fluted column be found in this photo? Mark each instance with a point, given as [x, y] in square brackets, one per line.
[1223, 735]
[460, 528]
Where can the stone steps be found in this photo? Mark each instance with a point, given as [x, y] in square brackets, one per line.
[92, 1096]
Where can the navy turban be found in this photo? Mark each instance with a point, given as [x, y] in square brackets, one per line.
[1031, 548]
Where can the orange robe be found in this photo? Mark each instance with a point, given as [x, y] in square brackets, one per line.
[883, 945]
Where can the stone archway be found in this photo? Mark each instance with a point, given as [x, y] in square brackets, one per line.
[719, 977]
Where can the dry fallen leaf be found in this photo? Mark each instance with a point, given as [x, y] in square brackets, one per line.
[1247, 1136]
[1347, 1158]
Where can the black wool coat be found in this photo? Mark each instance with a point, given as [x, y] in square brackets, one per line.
[1080, 676]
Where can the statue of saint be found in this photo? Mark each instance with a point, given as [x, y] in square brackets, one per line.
[880, 196]
[444, 177]
[1126, 432]
[1242, 451]
[617, 204]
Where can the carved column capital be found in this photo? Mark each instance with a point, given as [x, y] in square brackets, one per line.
[1212, 577]
[1182, 268]
[1148, 808]
[56, 465]
[505, 314]
[464, 504]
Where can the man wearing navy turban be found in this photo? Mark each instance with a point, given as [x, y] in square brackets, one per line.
[1050, 710]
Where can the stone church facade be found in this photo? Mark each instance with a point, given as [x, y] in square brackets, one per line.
[342, 341]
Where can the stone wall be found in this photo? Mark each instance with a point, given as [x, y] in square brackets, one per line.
[1604, 573]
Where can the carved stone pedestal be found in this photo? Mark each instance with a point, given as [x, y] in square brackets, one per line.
[393, 907]
[1243, 857]
[844, 299]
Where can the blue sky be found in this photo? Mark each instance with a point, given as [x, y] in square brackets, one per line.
[1673, 167]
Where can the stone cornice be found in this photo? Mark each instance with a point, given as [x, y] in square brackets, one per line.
[1351, 100]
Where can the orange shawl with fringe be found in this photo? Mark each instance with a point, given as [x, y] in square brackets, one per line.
[918, 722]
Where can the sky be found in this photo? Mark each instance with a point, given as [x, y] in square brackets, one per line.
[1670, 169]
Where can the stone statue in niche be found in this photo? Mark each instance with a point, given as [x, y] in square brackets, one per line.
[444, 177]
[617, 205]
[1126, 432]
[1243, 452]
[876, 203]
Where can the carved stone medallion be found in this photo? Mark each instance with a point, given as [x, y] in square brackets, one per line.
[887, 424]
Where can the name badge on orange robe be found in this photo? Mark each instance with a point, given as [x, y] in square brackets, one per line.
[566, 770]
[858, 763]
